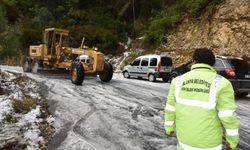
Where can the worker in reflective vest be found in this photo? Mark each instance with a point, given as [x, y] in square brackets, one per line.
[199, 103]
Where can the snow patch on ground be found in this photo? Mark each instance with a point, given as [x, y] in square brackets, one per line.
[5, 107]
[20, 130]
[50, 120]
[118, 61]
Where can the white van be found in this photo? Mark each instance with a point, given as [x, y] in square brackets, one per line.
[150, 66]
[83, 58]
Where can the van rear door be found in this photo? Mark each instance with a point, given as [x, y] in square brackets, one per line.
[166, 64]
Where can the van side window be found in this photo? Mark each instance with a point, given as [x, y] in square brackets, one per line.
[153, 61]
[136, 62]
[144, 62]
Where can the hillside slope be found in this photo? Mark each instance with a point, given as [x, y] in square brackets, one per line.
[226, 31]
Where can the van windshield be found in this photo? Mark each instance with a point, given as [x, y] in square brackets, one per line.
[166, 61]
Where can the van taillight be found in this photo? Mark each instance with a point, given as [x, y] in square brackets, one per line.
[230, 72]
[159, 67]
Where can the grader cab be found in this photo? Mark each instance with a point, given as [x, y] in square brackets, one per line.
[55, 53]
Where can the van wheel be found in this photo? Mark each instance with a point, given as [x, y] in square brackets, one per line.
[77, 73]
[126, 74]
[27, 65]
[151, 78]
[165, 79]
[107, 73]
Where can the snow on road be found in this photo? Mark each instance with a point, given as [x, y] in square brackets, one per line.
[116, 115]
[123, 114]
[244, 118]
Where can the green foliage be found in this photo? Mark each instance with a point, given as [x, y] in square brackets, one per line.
[31, 33]
[163, 22]
[23, 106]
[134, 54]
[3, 20]
[132, 57]
[166, 20]
[99, 29]
[103, 23]
[10, 119]
[9, 36]
[41, 16]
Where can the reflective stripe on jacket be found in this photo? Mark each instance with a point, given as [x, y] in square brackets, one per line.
[198, 103]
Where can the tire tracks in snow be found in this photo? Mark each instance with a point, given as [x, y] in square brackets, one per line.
[59, 137]
[106, 134]
[80, 132]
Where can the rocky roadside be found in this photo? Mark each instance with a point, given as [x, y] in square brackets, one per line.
[226, 30]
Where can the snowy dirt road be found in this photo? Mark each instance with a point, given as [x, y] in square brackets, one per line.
[116, 115]
[125, 114]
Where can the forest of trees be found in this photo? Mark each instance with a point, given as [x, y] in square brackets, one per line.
[104, 23]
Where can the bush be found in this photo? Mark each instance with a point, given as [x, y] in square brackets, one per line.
[134, 55]
[23, 106]
[161, 24]
[10, 119]
[9, 35]
[166, 20]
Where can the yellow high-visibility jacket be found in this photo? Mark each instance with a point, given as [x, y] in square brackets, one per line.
[199, 103]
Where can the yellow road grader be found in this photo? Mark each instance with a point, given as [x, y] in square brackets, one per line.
[55, 53]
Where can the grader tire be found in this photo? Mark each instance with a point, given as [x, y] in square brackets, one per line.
[107, 73]
[34, 66]
[77, 73]
[27, 65]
